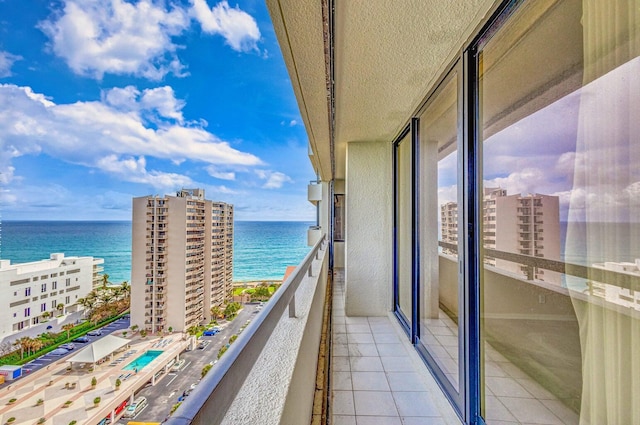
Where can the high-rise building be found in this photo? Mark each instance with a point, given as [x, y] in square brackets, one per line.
[519, 224]
[181, 259]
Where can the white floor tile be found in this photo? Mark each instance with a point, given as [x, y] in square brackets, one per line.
[415, 404]
[370, 381]
[342, 403]
[374, 403]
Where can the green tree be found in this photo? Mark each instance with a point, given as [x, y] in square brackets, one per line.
[216, 312]
[23, 343]
[60, 308]
[261, 293]
[105, 280]
[68, 327]
[126, 289]
[233, 339]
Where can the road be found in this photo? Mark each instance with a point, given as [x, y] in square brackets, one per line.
[166, 393]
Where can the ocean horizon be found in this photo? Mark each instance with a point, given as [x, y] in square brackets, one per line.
[262, 249]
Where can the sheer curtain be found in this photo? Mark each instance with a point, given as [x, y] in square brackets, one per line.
[605, 207]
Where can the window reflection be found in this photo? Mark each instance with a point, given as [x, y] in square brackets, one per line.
[560, 84]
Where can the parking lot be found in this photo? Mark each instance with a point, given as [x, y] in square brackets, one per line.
[175, 385]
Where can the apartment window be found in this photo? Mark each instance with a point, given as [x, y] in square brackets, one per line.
[27, 292]
[43, 287]
[67, 281]
[549, 131]
[43, 307]
[67, 300]
[27, 312]
[54, 285]
[53, 304]
[561, 137]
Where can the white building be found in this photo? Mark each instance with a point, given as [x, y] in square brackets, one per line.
[614, 293]
[519, 224]
[30, 293]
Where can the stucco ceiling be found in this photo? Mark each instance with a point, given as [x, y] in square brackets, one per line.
[387, 55]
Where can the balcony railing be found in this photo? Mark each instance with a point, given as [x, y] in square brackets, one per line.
[212, 399]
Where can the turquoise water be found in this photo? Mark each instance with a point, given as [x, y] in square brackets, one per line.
[262, 249]
[143, 360]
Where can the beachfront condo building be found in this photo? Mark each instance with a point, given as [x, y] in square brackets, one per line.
[410, 105]
[181, 259]
[521, 224]
[44, 291]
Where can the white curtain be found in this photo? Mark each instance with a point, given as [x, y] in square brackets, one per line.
[606, 189]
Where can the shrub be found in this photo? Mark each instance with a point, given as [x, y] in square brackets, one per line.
[118, 383]
[94, 381]
[41, 420]
[96, 401]
[205, 370]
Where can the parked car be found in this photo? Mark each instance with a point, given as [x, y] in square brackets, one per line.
[59, 352]
[82, 339]
[210, 332]
[95, 332]
[202, 345]
[68, 346]
[135, 407]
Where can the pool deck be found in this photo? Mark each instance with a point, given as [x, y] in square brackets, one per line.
[55, 385]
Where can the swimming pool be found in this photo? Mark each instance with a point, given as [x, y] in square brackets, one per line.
[143, 360]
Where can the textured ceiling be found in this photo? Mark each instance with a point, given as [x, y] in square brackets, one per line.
[386, 59]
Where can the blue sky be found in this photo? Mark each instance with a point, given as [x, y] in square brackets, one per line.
[104, 100]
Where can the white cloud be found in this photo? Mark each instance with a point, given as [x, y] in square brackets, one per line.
[6, 62]
[114, 36]
[239, 29]
[95, 37]
[134, 170]
[274, 179]
[112, 135]
[214, 171]
[293, 123]
[154, 104]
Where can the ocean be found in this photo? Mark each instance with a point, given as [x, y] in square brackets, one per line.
[262, 249]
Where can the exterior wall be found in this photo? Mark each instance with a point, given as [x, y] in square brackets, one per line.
[139, 290]
[28, 290]
[369, 244]
[175, 257]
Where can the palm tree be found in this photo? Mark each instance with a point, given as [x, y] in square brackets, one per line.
[106, 297]
[68, 328]
[23, 343]
[105, 280]
[60, 308]
[36, 345]
[216, 312]
[126, 289]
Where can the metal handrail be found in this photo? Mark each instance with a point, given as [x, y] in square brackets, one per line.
[610, 277]
[219, 387]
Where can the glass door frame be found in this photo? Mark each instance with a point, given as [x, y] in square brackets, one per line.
[405, 323]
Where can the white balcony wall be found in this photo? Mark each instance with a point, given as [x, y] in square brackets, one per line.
[280, 387]
[369, 223]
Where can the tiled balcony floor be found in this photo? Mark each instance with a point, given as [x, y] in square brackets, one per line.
[378, 378]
